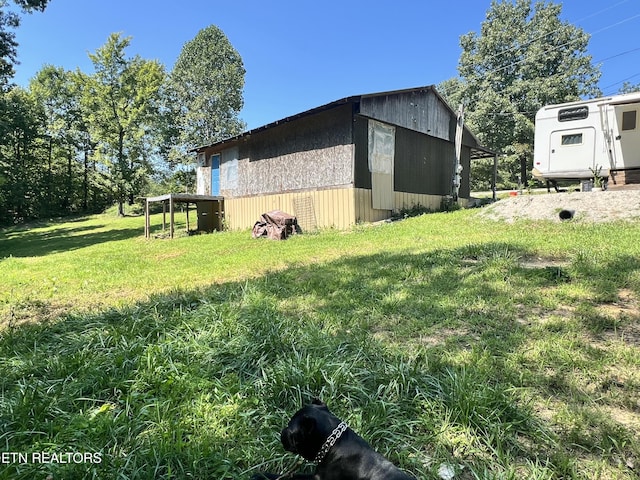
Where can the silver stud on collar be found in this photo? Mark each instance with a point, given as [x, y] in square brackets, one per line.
[330, 442]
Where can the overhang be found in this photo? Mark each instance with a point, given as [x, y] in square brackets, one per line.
[479, 152]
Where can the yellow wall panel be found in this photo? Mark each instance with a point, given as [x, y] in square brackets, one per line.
[339, 207]
[330, 208]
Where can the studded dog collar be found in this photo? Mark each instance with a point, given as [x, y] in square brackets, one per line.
[330, 442]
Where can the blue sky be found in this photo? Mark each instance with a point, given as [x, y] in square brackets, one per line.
[300, 55]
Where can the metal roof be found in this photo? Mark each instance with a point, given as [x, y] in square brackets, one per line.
[476, 152]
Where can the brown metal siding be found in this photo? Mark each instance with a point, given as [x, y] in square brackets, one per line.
[362, 175]
[465, 161]
[423, 164]
[419, 110]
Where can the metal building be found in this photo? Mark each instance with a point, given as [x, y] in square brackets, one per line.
[353, 160]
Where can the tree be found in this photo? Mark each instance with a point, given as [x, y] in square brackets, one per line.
[205, 92]
[121, 101]
[9, 21]
[628, 87]
[524, 58]
[21, 144]
[51, 87]
[70, 144]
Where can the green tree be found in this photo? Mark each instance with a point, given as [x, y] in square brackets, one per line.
[121, 100]
[54, 89]
[205, 93]
[10, 20]
[524, 57]
[628, 87]
[21, 146]
[72, 172]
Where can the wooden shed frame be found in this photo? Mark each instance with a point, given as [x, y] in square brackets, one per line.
[357, 159]
[169, 200]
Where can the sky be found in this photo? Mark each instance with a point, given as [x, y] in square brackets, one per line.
[300, 55]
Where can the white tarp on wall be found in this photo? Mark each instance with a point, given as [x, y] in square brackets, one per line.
[382, 145]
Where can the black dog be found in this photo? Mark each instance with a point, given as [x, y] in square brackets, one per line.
[340, 454]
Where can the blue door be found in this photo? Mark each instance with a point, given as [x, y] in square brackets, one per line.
[215, 175]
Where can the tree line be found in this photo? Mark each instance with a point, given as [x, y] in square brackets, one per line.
[78, 142]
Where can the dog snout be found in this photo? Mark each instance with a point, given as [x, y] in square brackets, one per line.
[287, 440]
[284, 438]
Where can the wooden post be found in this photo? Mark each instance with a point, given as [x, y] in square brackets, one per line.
[457, 169]
[494, 180]
[171, 216]
[187, 217]
[164, 215]
[146, 218]
[219, 213]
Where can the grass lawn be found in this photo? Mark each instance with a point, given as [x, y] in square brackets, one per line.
[508, 351]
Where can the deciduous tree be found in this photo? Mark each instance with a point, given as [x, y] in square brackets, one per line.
[628, 87]
[21, 144]
[206, 91]
[524, 57]
[53, 88]
[121, 102]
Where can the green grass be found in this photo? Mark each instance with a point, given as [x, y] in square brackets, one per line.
[507, 351]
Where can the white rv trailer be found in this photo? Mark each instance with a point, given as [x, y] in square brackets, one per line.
[574, 140]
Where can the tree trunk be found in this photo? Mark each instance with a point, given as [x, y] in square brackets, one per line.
[49, 172]
[19, 195]
[85, 182]
[125, 174]
[524, 178]
[69, 196]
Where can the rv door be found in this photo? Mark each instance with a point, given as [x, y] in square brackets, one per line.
[627, 139]
[572, 152]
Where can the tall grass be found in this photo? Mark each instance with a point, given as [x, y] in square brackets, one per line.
[505, 351]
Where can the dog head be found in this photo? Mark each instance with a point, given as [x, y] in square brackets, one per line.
[308, 429]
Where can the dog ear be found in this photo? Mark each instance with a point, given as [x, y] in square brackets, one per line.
[308, 424]
[318, 402]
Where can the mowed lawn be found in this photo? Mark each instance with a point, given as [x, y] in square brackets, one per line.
[501, 351]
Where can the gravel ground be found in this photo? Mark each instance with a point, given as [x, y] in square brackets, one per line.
[604, 206]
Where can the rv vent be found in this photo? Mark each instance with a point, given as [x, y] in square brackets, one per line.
[575, 113]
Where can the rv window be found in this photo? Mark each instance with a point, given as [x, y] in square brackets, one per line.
[629, 120]
[572, 139]
[575, 113]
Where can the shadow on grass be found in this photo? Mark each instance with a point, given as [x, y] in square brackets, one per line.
[30, 243]
[411, 350]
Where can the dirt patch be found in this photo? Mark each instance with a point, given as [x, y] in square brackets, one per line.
[604, 206]
[626, 305]
[626, 310]
[445, 334]
[533, 263]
